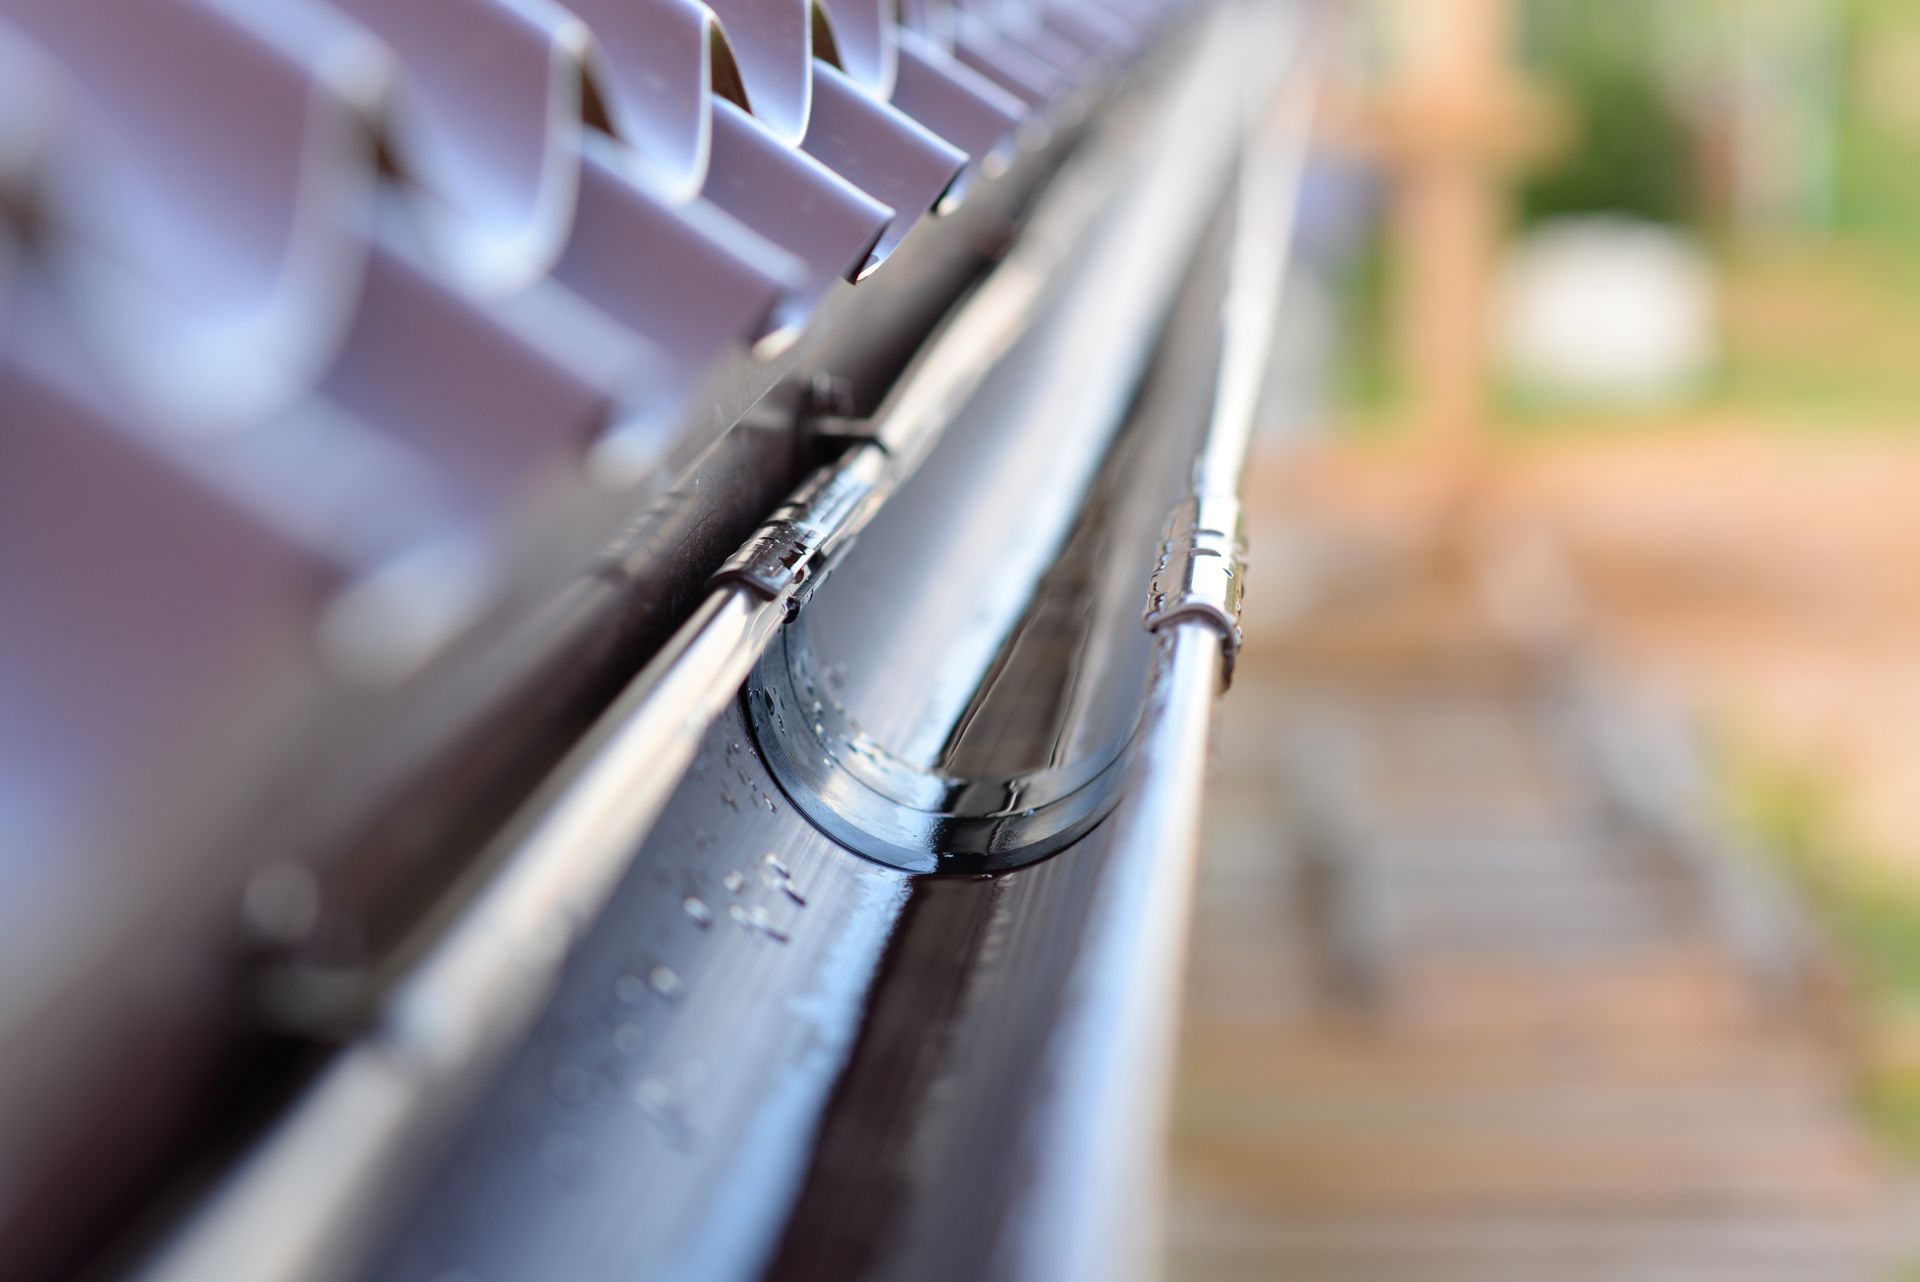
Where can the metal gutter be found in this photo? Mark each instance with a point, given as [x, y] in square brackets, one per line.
[311, 1199]
[1098, 1150]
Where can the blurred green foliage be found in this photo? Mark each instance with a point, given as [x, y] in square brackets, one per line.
[1819, 318]
[1878, 171]
[1633, 152]
[1365, 383]
[1870, 916]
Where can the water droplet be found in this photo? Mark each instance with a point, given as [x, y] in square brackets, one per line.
[735, 882]
[772, 861]
[629, 988]
[698, 910]
[794, 895]
[659, 1100]
[756, 921]
[666, 982]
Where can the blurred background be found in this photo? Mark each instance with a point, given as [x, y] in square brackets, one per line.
[1561, 911]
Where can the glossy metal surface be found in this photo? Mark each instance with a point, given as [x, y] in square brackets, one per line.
[998, 730]
[1094, 1214]
[1114, 1037]
[1201, 571]
[307, 1200]
[357, 462]
[772, 1058]
[297, 1206]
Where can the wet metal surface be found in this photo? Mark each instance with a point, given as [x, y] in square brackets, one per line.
[661, 1113]
[954, 1097]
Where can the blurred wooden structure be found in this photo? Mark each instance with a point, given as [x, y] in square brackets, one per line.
[1451, 125]
[1476, 994]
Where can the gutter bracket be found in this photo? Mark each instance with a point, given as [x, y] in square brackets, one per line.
[794, 548]
[1202, 572]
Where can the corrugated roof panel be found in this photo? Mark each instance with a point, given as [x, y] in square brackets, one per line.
[204, 186]
[864, 39]
[656, 64]
[958, 104]
[213, 254]
[792, 199]
[772, 43]
[209, 253]
[881, 150]
[483, 125]
[979, 44]
[498, 418]
[204, 183]
[690, 278]
[150, 614]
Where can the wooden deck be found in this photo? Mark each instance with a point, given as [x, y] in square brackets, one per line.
[1477, 992]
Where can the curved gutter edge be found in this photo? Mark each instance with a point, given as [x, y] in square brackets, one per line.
[1098, 1152]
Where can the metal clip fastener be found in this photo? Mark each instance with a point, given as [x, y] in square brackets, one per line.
[1201, 571]
[795, 546]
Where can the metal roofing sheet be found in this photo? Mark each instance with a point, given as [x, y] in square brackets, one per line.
[219, 197]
